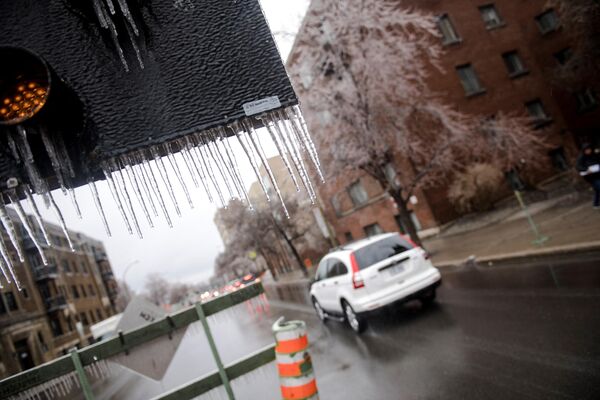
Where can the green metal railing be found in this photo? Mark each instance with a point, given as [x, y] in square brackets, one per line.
[78, 359]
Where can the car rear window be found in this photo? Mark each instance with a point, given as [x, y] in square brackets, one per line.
[380, 250]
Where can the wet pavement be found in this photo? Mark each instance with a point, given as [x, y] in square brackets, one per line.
[484, 338]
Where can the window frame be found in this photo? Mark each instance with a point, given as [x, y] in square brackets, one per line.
[489, 24]
[445, 19]
[357, 184]
[514, 55]
[479, 89]
[375, 224]
[540, 17]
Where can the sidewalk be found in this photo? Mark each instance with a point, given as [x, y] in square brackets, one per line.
[569, 221]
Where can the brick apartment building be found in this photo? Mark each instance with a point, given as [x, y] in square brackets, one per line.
[58, 302]
[499, 56]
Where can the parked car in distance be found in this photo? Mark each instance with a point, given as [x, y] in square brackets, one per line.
[363, 276]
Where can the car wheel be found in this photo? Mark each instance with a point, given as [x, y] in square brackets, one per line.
[356, 322]
[428, 297]
[319, 310]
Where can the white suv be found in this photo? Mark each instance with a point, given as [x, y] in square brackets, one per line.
[369, 274]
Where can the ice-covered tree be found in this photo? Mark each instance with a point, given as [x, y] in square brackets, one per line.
[361, 69]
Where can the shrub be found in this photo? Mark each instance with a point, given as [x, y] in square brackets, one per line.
[475, 188]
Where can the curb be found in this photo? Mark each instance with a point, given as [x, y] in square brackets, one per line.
[556, 250]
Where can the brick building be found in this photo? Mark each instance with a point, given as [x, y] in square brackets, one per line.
[499, 56]
[58, 302]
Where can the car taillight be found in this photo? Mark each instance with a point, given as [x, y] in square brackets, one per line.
[357, 279]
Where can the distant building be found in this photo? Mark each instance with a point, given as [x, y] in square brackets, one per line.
[40, 322]
[307, 214]
[499, 56]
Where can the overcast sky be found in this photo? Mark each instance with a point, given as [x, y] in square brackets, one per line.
[186, 252]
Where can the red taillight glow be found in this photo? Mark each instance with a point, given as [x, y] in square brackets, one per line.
[357, 280]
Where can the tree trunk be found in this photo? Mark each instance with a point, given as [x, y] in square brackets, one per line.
[404, 214]
[293, 249]
[269, 265]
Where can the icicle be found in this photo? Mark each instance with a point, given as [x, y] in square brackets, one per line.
[234, 164]
[296, 157]
[115, 37]
[111, 6]
[299, 127]
[63, 155]
[136, 49]
[122, 187]
[98, 9]
[265, 162]
[150, 174]
[177, 171]
[187, 161]
[14, 201]
[162, 170]
[125, 10]
[136, 165]
[96, 197]
[13, 148]
[236, 128]
[208, 167]
[3, 265]
[228, 166]
[54, 160]
[138, 193]
[10, 230]
[195, 153]
[39, 184]
[215, 156]
[115, 194]
[61, 220]
[281, 151]
[36, 213]
[8, 263]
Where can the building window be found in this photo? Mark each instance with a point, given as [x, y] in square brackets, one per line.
[11, 301]
[563, 56]
[335, 203]
[586, 100]
[514, 64]
[536, 110]
[84, 268]
[66, 267]
[372, 230]
[55, 326]
[42, 342]
[447, 29]
[559, 159]
[25, 293]
[75, 291]
[348, 236]
[469, 79]
[92, 318]
[91, 290]
[358, 194]
[83, 293]
[99, 314]
[490, 16]
[84, 319]
[2, 305]
[74, 266]
[547, 21]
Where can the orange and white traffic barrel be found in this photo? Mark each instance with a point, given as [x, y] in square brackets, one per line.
[294, 364]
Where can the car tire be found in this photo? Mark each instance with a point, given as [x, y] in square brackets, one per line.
[319, 310]
[428, 298]
[356, 322]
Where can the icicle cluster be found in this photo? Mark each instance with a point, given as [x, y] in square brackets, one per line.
[137, 180]
[105, 12]
[63, 386]
[142, 184]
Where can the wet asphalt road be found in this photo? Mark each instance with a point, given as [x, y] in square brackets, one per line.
[509, 338]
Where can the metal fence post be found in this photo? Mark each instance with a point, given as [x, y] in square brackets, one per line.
[83, 380]
[215, 351]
